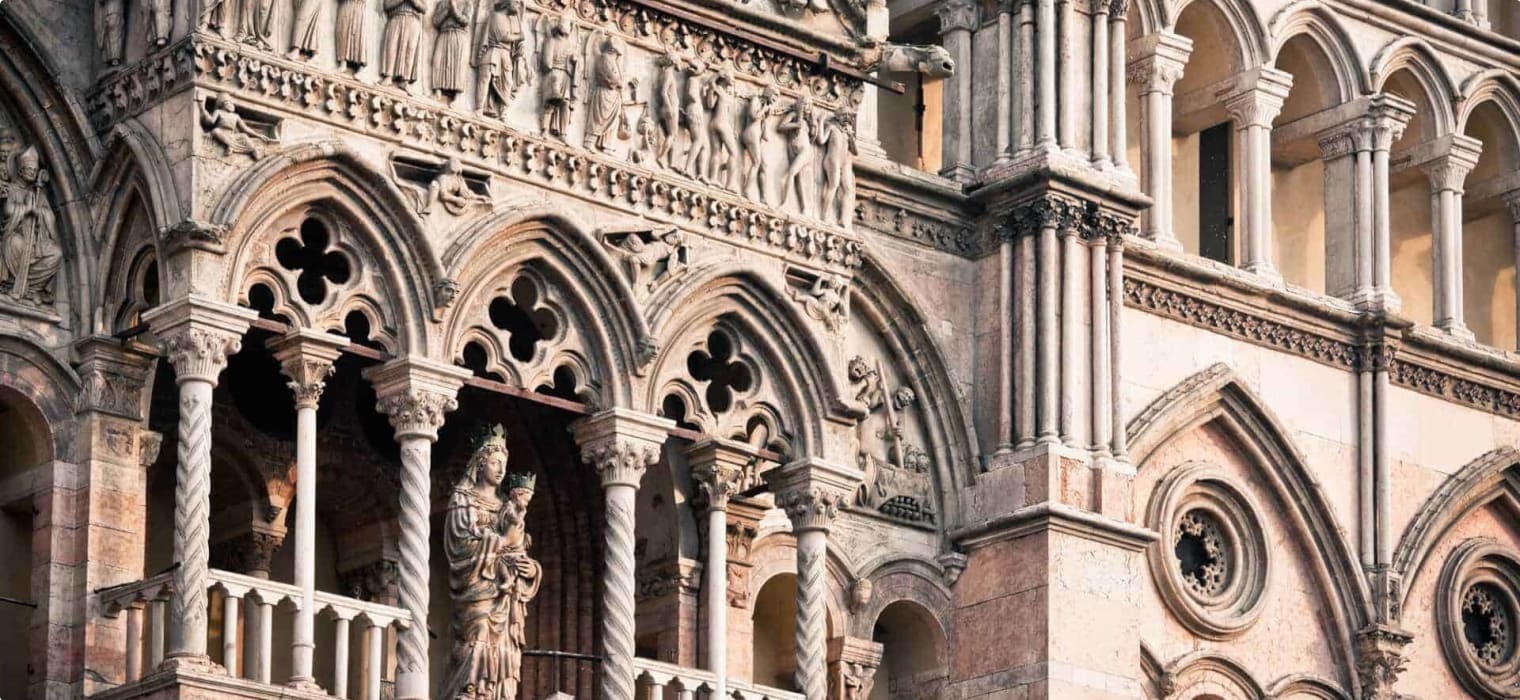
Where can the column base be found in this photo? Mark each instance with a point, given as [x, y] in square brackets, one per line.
[1164, 240]
[1457, 329]
[1266, 272]
[192, 663]
[1375, 300]
[306, 685]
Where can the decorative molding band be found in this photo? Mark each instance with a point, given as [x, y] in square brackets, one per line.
[900, 221]
[1426, 370]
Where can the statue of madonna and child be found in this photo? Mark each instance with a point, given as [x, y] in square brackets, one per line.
[491, 577]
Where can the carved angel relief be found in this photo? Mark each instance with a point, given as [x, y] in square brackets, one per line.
[651, 256]
[896, 471]
[825, 297]
[447, 184]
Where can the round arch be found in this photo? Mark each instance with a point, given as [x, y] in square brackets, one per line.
[1483, 87]
[1310, 18]
[36, 378]
[335, 179]
[1246, 31]
[1414, 55]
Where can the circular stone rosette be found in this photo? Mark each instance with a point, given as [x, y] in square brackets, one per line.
[1477, 609]
[1210, 562]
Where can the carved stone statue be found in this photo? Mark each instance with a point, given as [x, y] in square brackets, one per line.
[29, 240]
[403, 40]
[559, 61]
[350, 35]
[669, 87]
[304, 29]
[110, 34]
[500, 64]
[720, 98]
[826, 299]
[756, 112]
[929, 60]
[255, 22]
[451, 48]
[491, 577]
[838, 141]
[651, 255]
[222, 123]
[451, 190]
[798, 125]
[648, 140]
[604, 110]
[160, 17]
[698, 124]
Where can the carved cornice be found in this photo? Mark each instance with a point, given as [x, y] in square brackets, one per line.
[424, 124]
[1066, 214]
[126, 92]
[947, 235]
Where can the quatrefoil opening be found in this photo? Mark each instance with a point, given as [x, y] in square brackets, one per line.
[315, 264]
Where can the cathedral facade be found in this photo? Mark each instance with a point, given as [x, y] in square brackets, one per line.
[781, 349]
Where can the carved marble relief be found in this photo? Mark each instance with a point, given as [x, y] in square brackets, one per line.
[825, 297]
[110, 31]
[228, 129]
[401, 49]
[896, 471]
[650, 256]
[500, 61]
[446, 184]
[30, 253]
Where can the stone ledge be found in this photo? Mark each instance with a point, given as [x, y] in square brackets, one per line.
[1046, 517]
[184, 684]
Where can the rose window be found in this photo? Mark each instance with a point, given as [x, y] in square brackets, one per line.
[1476, 605]
[1202, 553]
[1486, 624]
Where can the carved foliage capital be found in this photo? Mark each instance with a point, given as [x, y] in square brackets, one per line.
[957, 15]
[375, 581]
[810, 509]
[201, 353]
[811, 492]
[307, 358]
[416, 412]
[1380, 660]
[621, 444]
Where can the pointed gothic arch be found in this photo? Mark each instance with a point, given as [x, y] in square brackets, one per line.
[334, 179]
[1218, 396]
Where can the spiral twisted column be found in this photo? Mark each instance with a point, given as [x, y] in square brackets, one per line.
[198, 335]
[811, 491]
[415, 394]
[306, 357]
[620, 445]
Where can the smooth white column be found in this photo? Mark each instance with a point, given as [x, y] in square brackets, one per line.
[1118, 86]
[198, 336]
[306, 358]
[1005, 81]
[1025, 75]
[340, 657]
[416, 395]
[1100, 96]
[958, 18]
[134, 641]
[230, 634]
[1447, 174]
[716, 467]
[1157, 69]
[1069, 84]
[1388, 117]
[156, 632]
[264, 648]
[374, 657]
[1102, 388]
[1115, 329]
[620, 445]
[1024, 403]
[1071, 329]
[1047, 333]
[1252, 112]
[1045, 73]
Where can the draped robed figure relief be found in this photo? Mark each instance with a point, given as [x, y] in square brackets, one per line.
[491, 577]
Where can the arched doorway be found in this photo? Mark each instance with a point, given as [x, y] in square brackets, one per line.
[775, 645]
[912, 655]
[25, 444]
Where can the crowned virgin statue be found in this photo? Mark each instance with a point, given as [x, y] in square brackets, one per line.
[491, 576]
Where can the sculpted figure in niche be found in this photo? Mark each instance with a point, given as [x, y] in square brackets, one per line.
[304, 29]
[838, 141]
[798, 125]
[499, 61]
[651, 256]
[255, 22]
[725, 124]
[350, 35]
[604, 111]
[110, 35]
[159, 21]
[451, 48]
[491, 577]
[29, 240]
[403, 40]
[451, 190]
[222, 123]
[559, 59]
[826, 299]
[669, 87]
[757, 111]
[698, 124]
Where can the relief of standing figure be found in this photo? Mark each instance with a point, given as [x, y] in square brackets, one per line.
[839, 150]
[350, 35]
[669, 87]
[255, 22]
[725, 124]
[501, 67]
[559, 61]
[491, 577]
[303, 30]
[798, 125]
[110, 35]
[29, 252]
[698, 124]
[160, 16]
[604, 110]
[403, 40]
[451, 48]
[757, 111]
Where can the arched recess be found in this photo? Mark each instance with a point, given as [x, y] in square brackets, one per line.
[136, 200]
[579, 276]
[1245, 34]
[1218, 398]
[1414, 54]
[1309, 45]
[1490, 113]
[398, 281]
[34, 374]
[1207, 675]
[911, 580]
[770, 597]
[1492, 477]
[725, 317]
[914, 659]
[48, 117]
[1302, 687]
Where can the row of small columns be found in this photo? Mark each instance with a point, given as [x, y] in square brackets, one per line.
[1031, 61]
[198, 336]
[1360, 144]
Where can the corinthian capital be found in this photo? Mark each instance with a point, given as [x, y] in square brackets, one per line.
[1260, 99]
[811, 492]
[957, 15]
[416, 394]
[621, 444]
[721, 468]
[1159, 60]
[306, 357]
[199, 334]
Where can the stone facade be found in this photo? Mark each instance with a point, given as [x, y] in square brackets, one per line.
[947, 349]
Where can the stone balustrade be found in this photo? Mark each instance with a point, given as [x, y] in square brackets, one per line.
[658, 680]
[144, 603]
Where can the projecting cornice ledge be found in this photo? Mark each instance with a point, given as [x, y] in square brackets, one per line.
[1054, 517]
